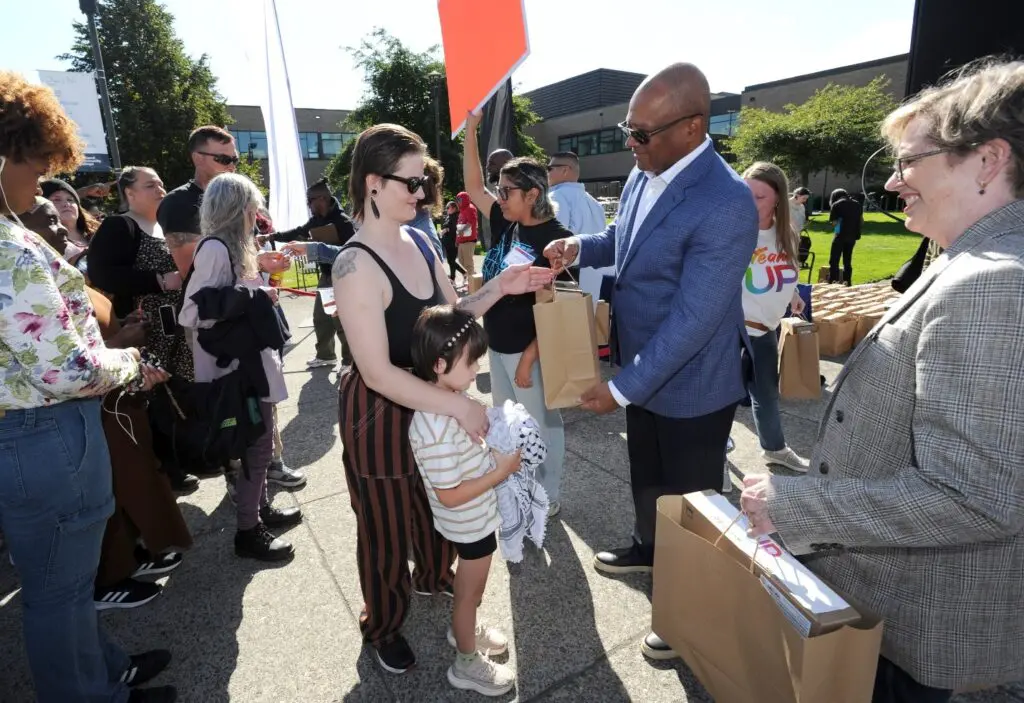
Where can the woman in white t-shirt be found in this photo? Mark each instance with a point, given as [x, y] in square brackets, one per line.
[769, 286]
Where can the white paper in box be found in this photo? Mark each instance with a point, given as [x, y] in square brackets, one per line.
[810, 592]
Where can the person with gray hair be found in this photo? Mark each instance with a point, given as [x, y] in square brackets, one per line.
[914, 504]
[227, 257]
[524, 202]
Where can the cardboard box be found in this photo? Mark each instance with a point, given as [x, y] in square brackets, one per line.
[710, 514]
[476, 282]
[328, 234]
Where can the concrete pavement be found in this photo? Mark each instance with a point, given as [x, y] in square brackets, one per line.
[240, 631]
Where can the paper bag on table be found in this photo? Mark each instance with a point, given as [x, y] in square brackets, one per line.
[567, 340]
[476, 282]
[835, 333]
[799, 377]
[738, 632]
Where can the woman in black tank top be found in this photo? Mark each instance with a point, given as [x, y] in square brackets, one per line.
[383, 279]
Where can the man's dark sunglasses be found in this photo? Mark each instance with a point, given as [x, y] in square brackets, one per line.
[413, 184]
[641, 136]
[222, 159]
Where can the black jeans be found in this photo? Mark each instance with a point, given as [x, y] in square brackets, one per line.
[669, 456]
[894, 685]
[844, 248]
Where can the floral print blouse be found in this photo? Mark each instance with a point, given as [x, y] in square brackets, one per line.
[50, 344]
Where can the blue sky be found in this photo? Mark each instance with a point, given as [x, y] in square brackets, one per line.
[737, 43]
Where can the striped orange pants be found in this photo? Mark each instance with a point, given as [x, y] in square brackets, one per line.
[392, 512]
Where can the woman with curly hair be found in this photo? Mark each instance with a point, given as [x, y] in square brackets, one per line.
[55, 476]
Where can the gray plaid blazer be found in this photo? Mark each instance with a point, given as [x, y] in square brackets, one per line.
[914, 505]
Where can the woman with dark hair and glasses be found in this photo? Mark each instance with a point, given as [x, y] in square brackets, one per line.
[846, 214]
[129, 260]
[429, 205]
[383, 279]
[524, 201]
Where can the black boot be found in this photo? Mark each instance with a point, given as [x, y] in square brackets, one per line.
[277, 517]
[260, 543]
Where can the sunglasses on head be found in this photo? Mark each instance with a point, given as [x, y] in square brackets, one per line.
[222, 159]
[643, 136]
[412, 184]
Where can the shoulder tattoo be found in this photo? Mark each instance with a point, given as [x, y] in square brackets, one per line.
[344, 264]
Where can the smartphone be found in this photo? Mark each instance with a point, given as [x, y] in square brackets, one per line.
[168, 323]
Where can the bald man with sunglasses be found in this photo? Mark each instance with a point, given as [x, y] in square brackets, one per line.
[680, 244]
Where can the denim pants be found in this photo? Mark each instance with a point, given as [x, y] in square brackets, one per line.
[251, 492]
[764, 391]
[55, 498]
[503, 387]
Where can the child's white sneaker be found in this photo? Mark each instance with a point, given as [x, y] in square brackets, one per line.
[489, 640]
[482, 675]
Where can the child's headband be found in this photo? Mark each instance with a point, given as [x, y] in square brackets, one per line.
[451, 342]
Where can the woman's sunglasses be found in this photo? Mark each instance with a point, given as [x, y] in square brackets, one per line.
[505, 191]
[413, 184]
[222, 159]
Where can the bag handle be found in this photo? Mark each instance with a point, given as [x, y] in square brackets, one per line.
[757, 544]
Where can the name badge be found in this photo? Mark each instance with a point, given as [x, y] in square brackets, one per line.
[519, 254]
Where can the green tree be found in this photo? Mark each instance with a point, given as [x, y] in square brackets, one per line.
[399, 90]
[158, 93]
[835, 129]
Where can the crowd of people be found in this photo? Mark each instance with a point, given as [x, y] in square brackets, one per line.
[118, 334]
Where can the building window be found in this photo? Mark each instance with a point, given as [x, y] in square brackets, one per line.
[604, 141]
[332, 143]
[309, 143]
[251, 144]
[724, 125]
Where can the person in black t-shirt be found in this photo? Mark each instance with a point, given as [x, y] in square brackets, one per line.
[846, 214]
[522, 218]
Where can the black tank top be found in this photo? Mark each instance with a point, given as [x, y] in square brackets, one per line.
[401, 314]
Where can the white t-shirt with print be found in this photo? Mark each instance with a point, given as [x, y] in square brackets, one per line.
[768, 284]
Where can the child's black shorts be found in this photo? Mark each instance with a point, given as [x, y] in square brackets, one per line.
[477, 550]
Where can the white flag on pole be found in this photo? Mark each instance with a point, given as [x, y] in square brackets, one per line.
[287, 175]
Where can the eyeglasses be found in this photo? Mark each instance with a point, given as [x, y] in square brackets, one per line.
[505, 191]
[312, 199]
[412, 184]
[552, 167]
[222, 159]
[641, 136]
[900, 162]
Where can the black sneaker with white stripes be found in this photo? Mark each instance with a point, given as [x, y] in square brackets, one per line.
[158, 565]
[145, 667]
[126, 594]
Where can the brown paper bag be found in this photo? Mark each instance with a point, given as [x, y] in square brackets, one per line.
[864, 325]
[567, 339]
[835, 333]
[476, 282]
[603, 320]
[798, 360]
[754, 654]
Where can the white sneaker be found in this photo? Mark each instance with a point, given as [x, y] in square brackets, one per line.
[788, 458]
[726, 480]
[481, 675]
[316, 363]
[489, 640]
[282, 475]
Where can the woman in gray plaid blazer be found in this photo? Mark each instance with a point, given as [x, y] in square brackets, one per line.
[914, 504]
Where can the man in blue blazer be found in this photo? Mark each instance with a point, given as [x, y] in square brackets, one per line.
[680, 243]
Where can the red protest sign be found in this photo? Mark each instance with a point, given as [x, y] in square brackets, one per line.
[484, 42]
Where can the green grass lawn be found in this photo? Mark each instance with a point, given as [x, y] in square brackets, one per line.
[882, 249]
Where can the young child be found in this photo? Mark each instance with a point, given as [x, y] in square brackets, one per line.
[460, 477]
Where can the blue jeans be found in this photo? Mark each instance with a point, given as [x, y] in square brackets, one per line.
[55, 498]
[764, 391]
[503, 387]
